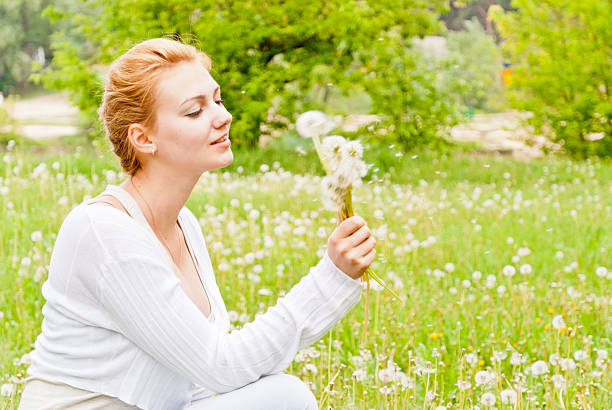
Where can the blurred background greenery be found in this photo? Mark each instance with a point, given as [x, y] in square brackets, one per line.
[419, 67]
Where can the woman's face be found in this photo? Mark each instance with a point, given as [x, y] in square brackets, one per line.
[190, 119]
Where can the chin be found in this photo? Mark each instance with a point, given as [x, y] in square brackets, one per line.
[223, 162]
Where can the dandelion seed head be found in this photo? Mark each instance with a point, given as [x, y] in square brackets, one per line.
[539, 368]
[558, 322]
[508, 396]
[509, 270]
[488, 399]
[314, 123]
[558, 381]
[7, 389]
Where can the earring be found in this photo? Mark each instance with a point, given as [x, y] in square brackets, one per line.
[153, 150]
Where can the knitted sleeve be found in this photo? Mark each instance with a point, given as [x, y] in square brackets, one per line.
[144, 299]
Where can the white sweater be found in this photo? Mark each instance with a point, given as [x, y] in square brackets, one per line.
[117, 322]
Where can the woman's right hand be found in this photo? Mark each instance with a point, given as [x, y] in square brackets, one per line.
[351, 247]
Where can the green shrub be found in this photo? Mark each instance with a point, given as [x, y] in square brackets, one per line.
[477, 66]
[266, 55]
[561, 53]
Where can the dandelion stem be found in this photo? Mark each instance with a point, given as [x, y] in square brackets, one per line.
[366, 311]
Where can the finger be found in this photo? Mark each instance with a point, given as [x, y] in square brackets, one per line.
[350, 225]
[365, 247]
[339, 219]
[369, 258]
[359, 236]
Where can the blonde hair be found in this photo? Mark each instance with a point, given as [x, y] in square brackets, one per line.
[129, 96]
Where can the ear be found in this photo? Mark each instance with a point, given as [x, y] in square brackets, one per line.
[138, 137]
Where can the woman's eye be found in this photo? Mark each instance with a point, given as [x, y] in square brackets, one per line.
[195, 113]
[219, 101]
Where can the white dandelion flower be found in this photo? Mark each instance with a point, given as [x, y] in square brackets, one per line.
[471, 359]
[580, 355]
[7, 389]
[567, 364]
[558, 381]
[483, 377]
[359, 375]
[509, 270]
[386, 375]
[431, 396]
[464, 385]
[558, 322]
[508, 396]
[232, 315]
[524, 252]
[602, 354]
[314, 123]
[488, 399]
[525, 269]
[554, 359]
[601, 272]
[539, 368]
[516, 359]
[36, 236]
[353, 149]
[499, 356]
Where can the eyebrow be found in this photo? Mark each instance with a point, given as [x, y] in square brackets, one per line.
[198, 97]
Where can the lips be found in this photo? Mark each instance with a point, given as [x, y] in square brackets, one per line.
[221, 139]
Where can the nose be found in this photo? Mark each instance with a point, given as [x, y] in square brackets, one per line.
[223, 118]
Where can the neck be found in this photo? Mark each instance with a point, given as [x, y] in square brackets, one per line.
[165, 194]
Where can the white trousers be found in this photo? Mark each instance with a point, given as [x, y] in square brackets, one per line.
[274, 392]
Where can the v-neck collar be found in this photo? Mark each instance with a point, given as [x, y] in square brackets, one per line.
[135, 212]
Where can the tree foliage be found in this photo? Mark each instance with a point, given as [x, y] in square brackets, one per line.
[266, 55]
[561, 50]
[468, 10]
[478, 66]
[22, 32]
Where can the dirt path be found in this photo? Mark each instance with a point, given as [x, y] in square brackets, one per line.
[493, 133]
[503, 133]
[46, 117]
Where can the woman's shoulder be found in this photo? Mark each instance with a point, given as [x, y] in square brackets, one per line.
[107, 227]
[94, 215]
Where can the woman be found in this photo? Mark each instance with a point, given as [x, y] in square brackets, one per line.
[134, 318]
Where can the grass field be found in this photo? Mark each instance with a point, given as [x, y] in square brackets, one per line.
[505, 266]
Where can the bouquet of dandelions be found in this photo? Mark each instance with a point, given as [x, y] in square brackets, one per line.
[344, 168]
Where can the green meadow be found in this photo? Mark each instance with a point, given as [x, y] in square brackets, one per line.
[505, 267]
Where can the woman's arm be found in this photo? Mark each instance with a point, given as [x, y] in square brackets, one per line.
[144, 299]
